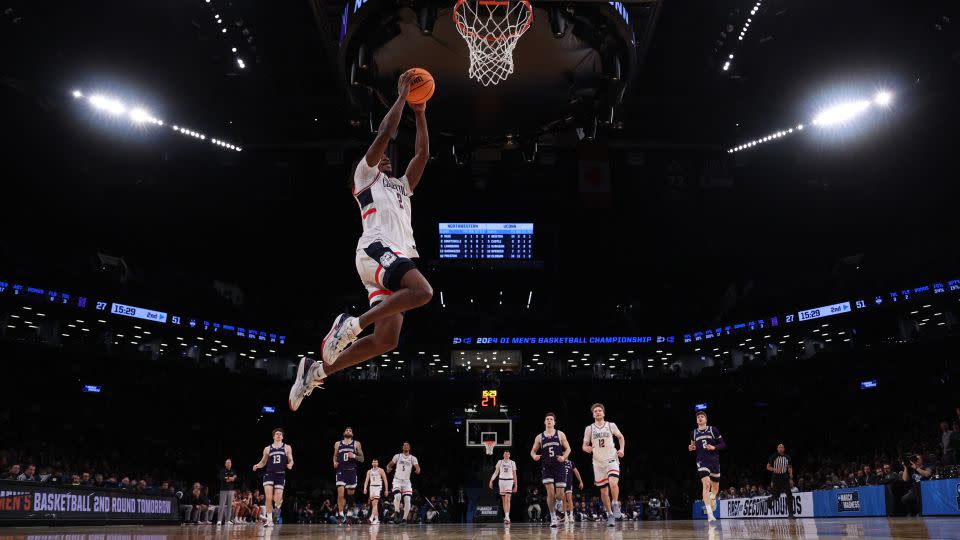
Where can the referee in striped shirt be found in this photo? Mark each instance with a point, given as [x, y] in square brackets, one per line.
[781, 466]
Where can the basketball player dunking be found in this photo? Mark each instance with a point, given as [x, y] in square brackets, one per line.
[506, 470]
[551, 449]
[377, 483]
[572, 472]
[278, 459]
[347, 453]
[404, 463]
[393, 283]
[707, 442]
[598, 440]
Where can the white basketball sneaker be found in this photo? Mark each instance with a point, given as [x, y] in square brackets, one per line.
[304, 383]
[342, 333]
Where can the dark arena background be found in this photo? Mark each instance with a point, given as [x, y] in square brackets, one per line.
[747, 208]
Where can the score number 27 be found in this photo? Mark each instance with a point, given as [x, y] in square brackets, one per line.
[489, 398]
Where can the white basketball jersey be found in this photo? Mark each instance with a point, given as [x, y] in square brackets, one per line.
[506, 468]
[375, 479]
[384, 210]
[601, 439]
[404, 466]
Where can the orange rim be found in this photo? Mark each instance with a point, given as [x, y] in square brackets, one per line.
[467, 31]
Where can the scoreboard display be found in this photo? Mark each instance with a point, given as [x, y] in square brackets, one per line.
[511, 241]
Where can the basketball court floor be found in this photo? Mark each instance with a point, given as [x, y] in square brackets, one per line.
[932, 528]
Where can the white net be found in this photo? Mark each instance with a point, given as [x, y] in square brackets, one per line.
[488, 446]
[491, 29]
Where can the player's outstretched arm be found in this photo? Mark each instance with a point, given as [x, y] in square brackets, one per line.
[566, 447]
[721, 444]
[358, 455]
[419, 161]
[388, 126]
[576, 472]
[289, 456]
[496, 473]
[586, 441]
[386, 484]
[336, 450]
[416, 466]
[623, 441]
[366, 482]
[535, 451]
[263, 460]
[392, 464]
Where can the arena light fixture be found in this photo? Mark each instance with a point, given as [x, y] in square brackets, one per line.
[832, 116]
[141, 116]
[841, 114]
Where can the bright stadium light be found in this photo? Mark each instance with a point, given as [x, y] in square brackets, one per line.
[840, 114]
[883, 98]
[106, 104]
[139, 115]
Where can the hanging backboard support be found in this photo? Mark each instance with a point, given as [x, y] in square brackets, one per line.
[499, 430]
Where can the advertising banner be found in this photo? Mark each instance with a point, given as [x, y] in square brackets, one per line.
[860, 501]
[940, 497]
[21, 501]
[756, 507]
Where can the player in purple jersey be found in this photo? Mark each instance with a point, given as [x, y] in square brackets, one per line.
[551, 449]
[707, 442]
[572, 472]
[277, 459]
[347, 453]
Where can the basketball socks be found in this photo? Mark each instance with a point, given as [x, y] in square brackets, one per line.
[318, 372]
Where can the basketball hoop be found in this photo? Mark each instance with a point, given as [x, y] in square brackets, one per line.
[491, 29]
[488, 446]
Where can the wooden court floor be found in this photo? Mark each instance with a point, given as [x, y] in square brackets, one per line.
[933, 528]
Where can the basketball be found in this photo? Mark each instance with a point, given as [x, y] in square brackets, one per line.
[421, 86]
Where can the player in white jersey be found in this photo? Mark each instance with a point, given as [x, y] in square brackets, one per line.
[404, 463]
[598, 440]
[376, 483]
[383, 257]
[506, 470]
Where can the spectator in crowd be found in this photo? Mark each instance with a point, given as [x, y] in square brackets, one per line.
[74, 479]
[307, 513]
[869, 478]
[228, 486]
[98, 481]
[194, 505]
[327, 513]
[889, 475]
[12, 473]
[947, 436]
[913, 473]
[85, 479]
[28, 475]
[534, 500]
[125, 483]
